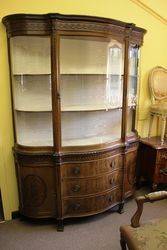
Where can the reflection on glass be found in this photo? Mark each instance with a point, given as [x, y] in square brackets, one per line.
[91, 90]
[31, 79]
[132, 88]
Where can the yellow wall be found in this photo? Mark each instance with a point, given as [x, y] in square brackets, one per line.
[154, 52]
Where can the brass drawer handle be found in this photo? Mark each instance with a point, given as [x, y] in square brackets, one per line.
[163, 171]
[76, 170]
[110, 199]
[76, 206]
[112, 164]
[76, 188]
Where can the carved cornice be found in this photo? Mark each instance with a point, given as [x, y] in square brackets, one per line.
[24, 24]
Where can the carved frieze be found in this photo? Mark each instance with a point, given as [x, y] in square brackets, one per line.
[45, 24]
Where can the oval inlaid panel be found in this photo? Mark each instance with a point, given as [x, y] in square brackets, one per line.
[34, 191]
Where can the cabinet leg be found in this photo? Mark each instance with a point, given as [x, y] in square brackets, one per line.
[163, 129]
[123, 243]
[121, 208]
[154, 187]
[150, 125]
[60, 225]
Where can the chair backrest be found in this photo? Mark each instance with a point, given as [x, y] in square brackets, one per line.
[158, 84]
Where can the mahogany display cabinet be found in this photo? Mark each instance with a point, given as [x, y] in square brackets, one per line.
[74, 91]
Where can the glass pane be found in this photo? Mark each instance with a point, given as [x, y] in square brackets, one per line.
[34, 128]
[31, 79]
[91, 90]
[132, 88]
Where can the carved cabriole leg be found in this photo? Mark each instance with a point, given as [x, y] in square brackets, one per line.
[122, 243]
[121, 207]
[163, 128]
[60, 225]
[150, 125]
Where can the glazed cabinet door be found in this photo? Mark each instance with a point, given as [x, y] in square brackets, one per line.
[132, 89]
[91, 71]
[31, 85]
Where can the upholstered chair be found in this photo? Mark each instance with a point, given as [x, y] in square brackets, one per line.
[148, 236]
[158, 90]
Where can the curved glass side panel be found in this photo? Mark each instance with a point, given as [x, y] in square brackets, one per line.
[31, 84]
[132, 89]
[91, 71]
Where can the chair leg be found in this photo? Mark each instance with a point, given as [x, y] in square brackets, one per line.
[163, 129]
[150, 125]
[123, 243]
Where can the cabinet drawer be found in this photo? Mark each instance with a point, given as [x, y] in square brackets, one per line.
[83, 186]
[162, 157]
[91, 205]
[86, 169]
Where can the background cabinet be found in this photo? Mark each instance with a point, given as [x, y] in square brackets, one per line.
[153, 161]
[74, 89]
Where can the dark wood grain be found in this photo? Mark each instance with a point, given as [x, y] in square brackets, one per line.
[153, 161]
[92, 168]
[93, 185]
[130, 173]
[75, 181]
[74, 207]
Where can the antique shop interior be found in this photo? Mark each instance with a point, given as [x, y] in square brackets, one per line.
[83, 125]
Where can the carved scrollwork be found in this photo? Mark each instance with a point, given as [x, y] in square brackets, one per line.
[31, 159]
[86, 156]
[88, 26]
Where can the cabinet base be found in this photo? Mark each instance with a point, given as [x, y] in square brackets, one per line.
[121, 208]
[60, 225]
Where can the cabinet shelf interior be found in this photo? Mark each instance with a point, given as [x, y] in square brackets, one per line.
[89, 81]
